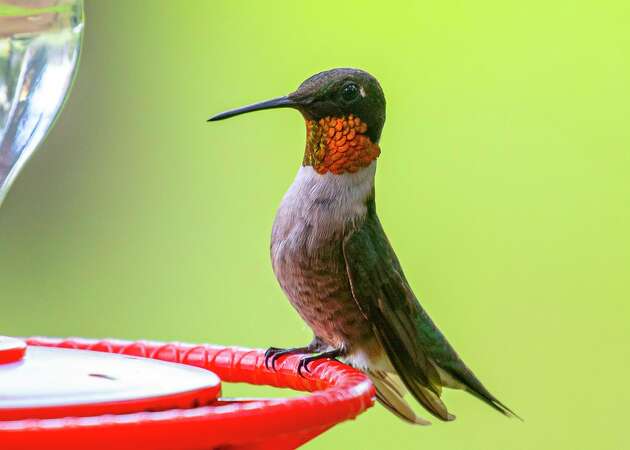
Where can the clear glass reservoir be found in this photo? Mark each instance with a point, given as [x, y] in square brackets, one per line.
[40, 42]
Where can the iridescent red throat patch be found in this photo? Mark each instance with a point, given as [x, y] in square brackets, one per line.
[338, 145]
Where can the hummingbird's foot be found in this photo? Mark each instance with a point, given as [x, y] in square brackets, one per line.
[304, 362]
[274, 353]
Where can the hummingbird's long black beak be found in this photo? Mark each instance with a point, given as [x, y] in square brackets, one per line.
[279, 102]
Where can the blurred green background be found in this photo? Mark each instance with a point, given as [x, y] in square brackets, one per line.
[503, 185]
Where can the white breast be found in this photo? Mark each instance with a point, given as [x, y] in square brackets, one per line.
[321, 205]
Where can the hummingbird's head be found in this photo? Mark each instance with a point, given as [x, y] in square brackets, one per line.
[342, 93]
[344, 110]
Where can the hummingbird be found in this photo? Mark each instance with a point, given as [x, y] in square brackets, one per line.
[335, 264]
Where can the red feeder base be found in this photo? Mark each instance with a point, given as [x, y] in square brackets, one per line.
[339, 393]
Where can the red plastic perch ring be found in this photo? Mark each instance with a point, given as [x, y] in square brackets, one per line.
[339, 393]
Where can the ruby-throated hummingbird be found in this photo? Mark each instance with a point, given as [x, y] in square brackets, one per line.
[335, 264]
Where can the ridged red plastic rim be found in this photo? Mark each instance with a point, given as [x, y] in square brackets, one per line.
[339, 393]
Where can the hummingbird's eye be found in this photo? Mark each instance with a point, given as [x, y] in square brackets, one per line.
[350, 92]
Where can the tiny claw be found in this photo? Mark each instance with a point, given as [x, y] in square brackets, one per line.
[275, 358]
[269, 354]
[304, 362]
[303, 365]
[273, 354]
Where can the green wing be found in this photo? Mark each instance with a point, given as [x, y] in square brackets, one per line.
[385, 298]
[414, 345]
